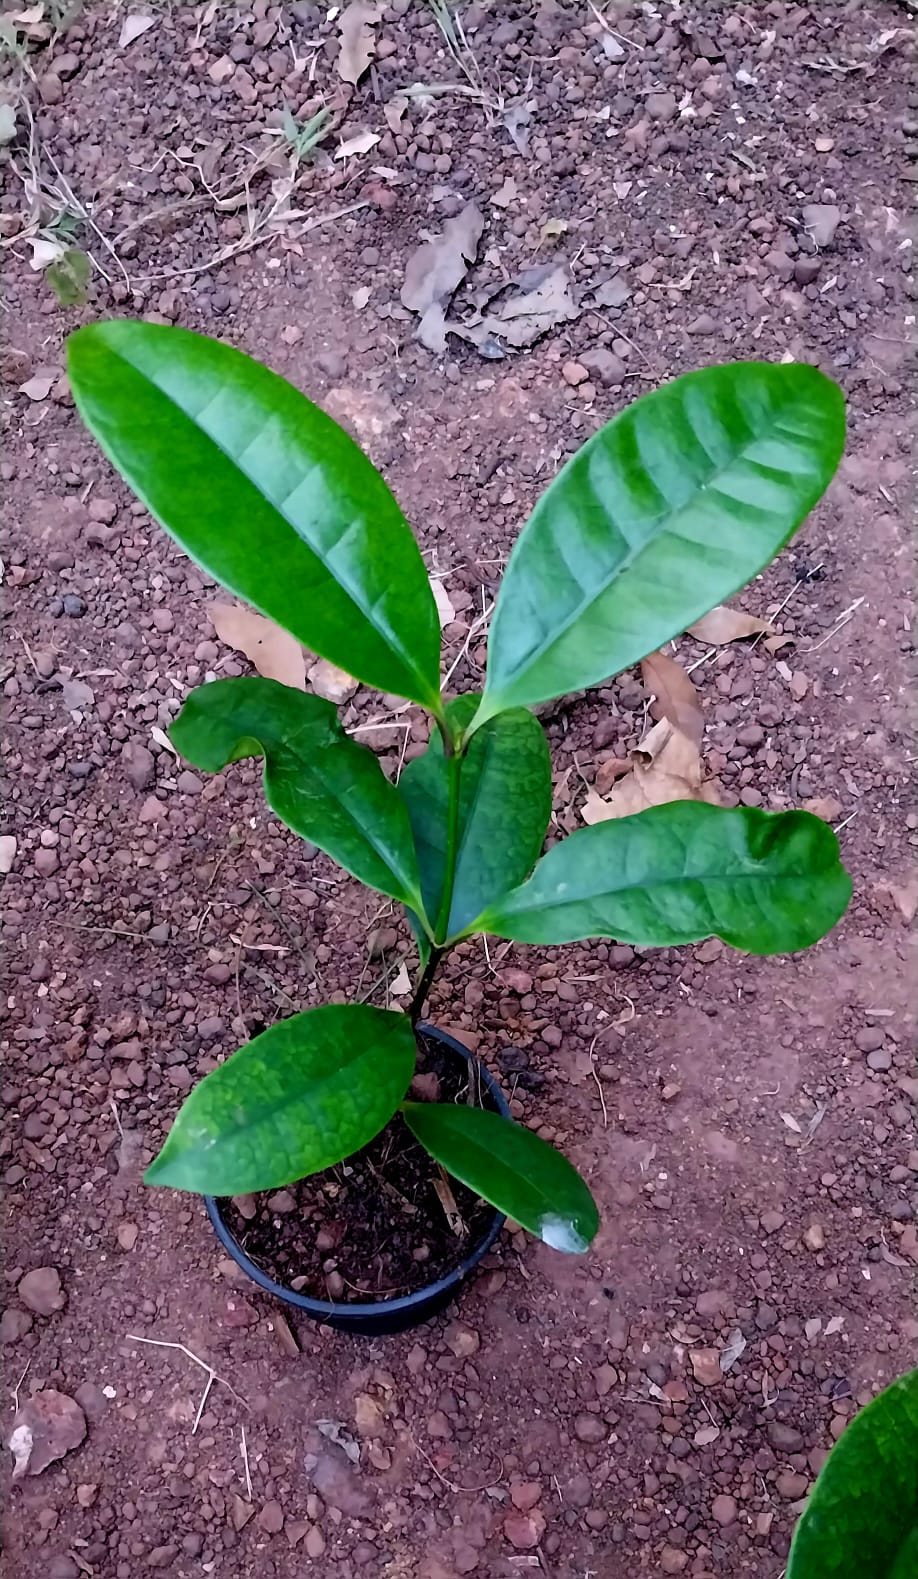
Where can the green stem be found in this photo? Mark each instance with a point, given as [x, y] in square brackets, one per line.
[454, 773]
[423, 986]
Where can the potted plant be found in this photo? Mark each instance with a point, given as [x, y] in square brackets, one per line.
[667, 510]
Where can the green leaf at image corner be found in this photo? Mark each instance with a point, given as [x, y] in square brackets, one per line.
[766, 882]
[510, 1167]
[861, 1520]
[668, 510]
[266, 492]
[504, 807]
[308, 1092]
[320, 782]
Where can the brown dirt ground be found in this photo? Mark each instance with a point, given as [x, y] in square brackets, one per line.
[745, 1124]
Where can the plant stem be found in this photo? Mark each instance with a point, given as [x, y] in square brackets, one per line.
[423, 986]
[454, 772]
[441, 926]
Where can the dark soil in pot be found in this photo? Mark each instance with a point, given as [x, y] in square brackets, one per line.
[385, 1223]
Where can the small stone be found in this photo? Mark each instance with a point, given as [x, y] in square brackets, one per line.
[784, 1438]
[880, 1061]
[462, 1340]
[271, 1518]
[211, 1027]
[821, 220]
[188, 783]
[438, 1426]
[706, 1367]
[314, 1544]
[281, 1201]
[590, 1428]
[163, 620]
[524, 1494]
[672, 1561]
[74, 606]
[660, 106]
[791, 1486]
[51, 88]
[14, 1324]
[772, 1221]
[723, 1509]
[61, 1566]
[574, 373]
[518, 981]
[240, 1512]
[869, 1039]
[814, 1237]
[703, 324]
[102, 511]
[86, 1495]
[608, 368]
[46, 862]
[41, 1291]
[332, 363]
[126, 1234]
[806, 269]
[162, 1556]
[524, 1531]
[139, 764]
[47, 1425]
[91, 1400]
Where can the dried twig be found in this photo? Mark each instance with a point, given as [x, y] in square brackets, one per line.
[245, 1465]
[602, 1098]
[212, 1375]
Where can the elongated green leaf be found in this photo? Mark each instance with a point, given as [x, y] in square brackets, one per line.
[504, 807]
[266, 492]
[306, 1093]
[670, 508]
[510, 1167]
[319, 781]
[861, 1521]
[767, 882]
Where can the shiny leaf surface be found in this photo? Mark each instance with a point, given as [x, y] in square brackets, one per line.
[668, 510]
[266, 492]
[504, 807]
[510, 1167]
[306, 1093]
[766, 882]
[861, 1521]
[319, 781]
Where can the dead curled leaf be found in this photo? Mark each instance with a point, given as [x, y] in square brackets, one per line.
[435, 270]
[722, 624]
[358, 41]
[330, 682]
[47, 1425]
[273, 652]
[675, 696]
[667, 765]
[536, 301]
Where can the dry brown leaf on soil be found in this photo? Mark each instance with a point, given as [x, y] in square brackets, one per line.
[360, 143]
[723, 624]
[274, 652]
[824, 806]
[540, 300]
[443, 601]
[666, 766]
[47, 1425]
[40, 385]
[435, 270]
[609, 772]
[358, 41]
[675, 696]
[331, 683]
[134, 26]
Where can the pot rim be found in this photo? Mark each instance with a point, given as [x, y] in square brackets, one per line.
[328, 1310]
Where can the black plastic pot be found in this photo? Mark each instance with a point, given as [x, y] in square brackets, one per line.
[380, 1317]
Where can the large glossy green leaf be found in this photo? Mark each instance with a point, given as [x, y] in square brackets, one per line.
[319, 781]
[666, 511]
[767, 882]
[504, 807]
[510, 1167]
[861, 1521]
[306, 1093]
[266, 492]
